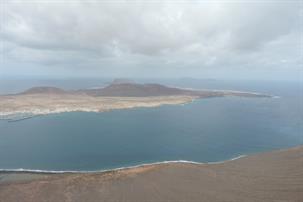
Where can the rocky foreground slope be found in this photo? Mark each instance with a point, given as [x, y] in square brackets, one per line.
[269, 177]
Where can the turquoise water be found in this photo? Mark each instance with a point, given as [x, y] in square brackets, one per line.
[206, 130]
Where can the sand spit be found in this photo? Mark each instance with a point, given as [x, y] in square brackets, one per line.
[272, 176]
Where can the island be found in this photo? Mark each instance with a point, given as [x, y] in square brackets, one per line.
[121, 94]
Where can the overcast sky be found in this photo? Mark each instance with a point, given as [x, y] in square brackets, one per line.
[61, 39]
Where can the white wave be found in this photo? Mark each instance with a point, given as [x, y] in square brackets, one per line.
[115, 169]
[218, 162]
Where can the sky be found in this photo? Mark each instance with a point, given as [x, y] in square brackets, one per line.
[152, 39]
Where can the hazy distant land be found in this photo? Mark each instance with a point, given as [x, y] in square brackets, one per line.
[47, 100]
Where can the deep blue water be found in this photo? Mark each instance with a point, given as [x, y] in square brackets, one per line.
[206, 130]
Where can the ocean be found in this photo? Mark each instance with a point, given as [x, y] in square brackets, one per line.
[206, 130]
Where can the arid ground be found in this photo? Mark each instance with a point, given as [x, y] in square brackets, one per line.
[273, 176]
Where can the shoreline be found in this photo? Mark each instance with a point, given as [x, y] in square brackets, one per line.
[37, 171]
[41, 171]
[270, 176]
[5, 116]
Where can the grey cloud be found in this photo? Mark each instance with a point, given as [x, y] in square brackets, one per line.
[200, 33]
[145, 29]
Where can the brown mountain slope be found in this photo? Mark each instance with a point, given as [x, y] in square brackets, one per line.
[269, 177]
[140, 90]
[134, 90]
[44, 90]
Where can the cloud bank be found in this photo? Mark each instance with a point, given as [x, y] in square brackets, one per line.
[170, 38]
